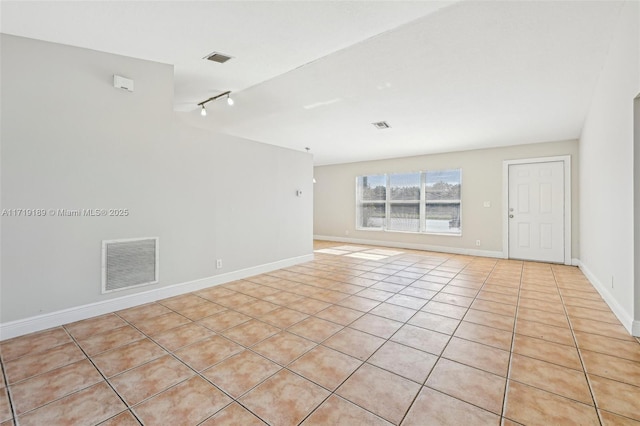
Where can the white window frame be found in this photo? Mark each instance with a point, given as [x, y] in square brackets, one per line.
[359, 203]
[452, 234]
[400, 202]
[422, 209]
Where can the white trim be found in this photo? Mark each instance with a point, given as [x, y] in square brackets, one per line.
[423, 202]
[566, 159]
[636, 211]
[412, 246]
[77, 313]
[625, 318]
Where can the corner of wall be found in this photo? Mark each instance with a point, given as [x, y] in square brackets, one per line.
[623, 316]
[42, 322]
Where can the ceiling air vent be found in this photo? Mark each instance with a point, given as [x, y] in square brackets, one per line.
[217, 57]
[129, 263]
[380, 125]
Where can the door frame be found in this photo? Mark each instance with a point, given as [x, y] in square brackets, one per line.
[566, 159]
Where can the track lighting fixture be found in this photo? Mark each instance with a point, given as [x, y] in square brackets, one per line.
[203, 111]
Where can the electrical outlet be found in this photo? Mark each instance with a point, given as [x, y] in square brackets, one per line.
[218, 263]
[346, 232]
[478, 243]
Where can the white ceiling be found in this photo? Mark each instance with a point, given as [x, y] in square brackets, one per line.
[447, 76]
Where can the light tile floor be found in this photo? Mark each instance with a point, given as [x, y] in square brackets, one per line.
[414, 339]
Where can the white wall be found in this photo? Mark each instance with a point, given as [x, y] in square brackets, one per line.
[334, 197]
[606, 172]
[71, 140]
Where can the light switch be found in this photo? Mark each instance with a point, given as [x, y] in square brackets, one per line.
[487, 203]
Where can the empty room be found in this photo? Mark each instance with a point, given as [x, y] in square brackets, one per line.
[320, 213]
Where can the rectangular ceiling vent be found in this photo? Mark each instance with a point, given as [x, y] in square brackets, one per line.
[129, 263]
[218, 57]
[381, 125]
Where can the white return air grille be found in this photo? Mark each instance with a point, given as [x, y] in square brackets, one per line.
[129, 263]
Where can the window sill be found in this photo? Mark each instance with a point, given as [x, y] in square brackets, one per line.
[443, 234]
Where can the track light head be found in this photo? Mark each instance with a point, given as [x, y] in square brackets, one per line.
[203, 111]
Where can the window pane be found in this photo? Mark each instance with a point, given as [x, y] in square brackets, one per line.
[443, 185]
[407, 208]
[372, 187]
[443, 217]
[371, 215]
[405, 186]
[405, 217]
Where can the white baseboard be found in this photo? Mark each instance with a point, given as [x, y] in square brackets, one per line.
[77, 313]
[413, 246]
[633, 327]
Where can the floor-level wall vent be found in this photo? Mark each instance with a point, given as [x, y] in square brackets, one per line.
[129, 263]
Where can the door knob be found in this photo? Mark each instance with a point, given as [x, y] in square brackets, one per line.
[511, 216]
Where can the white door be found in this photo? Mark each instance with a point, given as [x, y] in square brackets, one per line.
[536, 211]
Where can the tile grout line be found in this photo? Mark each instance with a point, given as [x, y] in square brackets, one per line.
[14, 414]
[153, 338]
[424, 384]
[575, 341]
[172, 354]
[363, 363]
[338, 276]
[513, 342]
[367, 359]
[199, 373]
[73, 340]
[104, 377]
[504, 396]
[147, 336]
[331, 392]
[513, 333]
[247, 348]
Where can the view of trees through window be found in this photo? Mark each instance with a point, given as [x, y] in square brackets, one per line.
[372, 193]
[410, 202]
